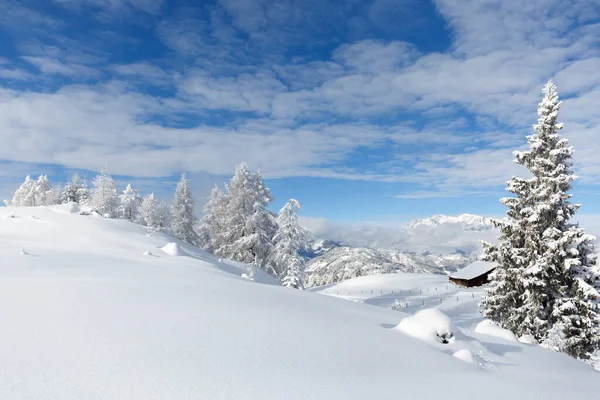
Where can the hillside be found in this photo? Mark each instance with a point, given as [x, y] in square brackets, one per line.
[94, 309]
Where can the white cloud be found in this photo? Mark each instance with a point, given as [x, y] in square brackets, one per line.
[462, 111]
[441, 239]
[50, 66]
[153, 7]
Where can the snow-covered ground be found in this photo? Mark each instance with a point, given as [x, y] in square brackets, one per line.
[96, 309]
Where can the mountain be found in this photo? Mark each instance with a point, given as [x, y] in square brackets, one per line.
[341, 263]
[467, 222]
[319, 247]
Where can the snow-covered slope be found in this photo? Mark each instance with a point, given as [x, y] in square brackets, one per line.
[467, 222]
[94, 309]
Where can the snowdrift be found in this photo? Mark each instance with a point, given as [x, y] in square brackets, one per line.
[88, 316]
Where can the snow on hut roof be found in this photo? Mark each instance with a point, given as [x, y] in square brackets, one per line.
[474, 270]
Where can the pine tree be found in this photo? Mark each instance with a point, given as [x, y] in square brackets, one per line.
[289, 240]
[25, 195]
[212, 222]
[248, 227]
[183, 216]
[75, 191]
[104, 197]
[130, 202]
[42, 191]
[165, 218]
[149, 213]
[294, 278]
[546, 283]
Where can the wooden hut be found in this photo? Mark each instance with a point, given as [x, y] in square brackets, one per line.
[475, 274]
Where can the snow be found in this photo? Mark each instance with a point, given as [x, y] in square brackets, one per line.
[89, 317]
[488, 327]
[474, 270]
[430, 325]
[467, 356]
[173, 249]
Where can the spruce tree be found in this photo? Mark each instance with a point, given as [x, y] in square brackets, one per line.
[546, 283]
[25, 195]
[248, 228]
[289, 240]
[212, 222]
[104, 196]
[183, 215]
[75, 191]
[42, 191]
[130, 202]
[149, 213]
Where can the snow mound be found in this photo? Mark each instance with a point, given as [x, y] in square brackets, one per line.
[173, 249]
[10, 216]
[467, 356]
[147, 253]
[429, 325]
[23, 252]
[487, 327]
[528, 339]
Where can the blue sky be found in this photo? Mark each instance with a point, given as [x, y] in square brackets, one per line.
[379, 110]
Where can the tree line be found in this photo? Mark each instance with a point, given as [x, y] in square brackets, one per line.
[236, 223]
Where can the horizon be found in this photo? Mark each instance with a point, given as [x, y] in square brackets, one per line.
[374, 112]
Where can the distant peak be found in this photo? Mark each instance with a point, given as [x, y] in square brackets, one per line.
[468, 222]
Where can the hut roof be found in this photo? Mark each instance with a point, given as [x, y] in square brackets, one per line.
[474, 270]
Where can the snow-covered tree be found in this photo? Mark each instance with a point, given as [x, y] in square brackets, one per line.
[25, 195]
[53, 195]
[42, 189]
[165, 218]
[248, 227]
[294, 277]
[149, 213]
[104, 196]
[212, 222]
[75, 191]
[289, 239]
[130, 202]
[546, 283]
[183, 223]
[33, 193]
